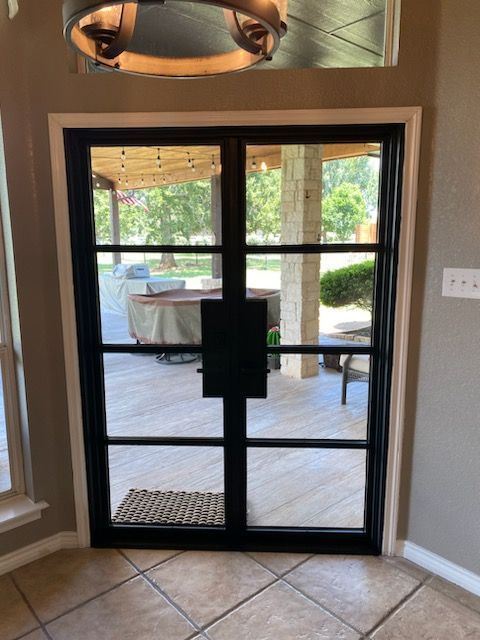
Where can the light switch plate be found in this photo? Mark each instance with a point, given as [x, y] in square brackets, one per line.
[461, 283]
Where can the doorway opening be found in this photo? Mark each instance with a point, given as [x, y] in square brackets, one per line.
[235, 296]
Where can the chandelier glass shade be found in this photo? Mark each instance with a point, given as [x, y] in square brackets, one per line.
[103, 32]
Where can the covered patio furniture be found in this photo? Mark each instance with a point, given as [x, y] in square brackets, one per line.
[173, 317]
[114, 291]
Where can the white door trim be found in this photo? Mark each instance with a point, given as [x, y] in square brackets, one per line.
[410, 116]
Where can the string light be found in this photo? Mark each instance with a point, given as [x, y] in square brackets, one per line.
[154, 180]
[126, 181]
[213, 165]
[192, 164]
[263, 166]
[143, 181]
[189, 160]
[123, 166]
[254, 163]
[159, 162]
[164, 179]
[123, 155]
[119, 179]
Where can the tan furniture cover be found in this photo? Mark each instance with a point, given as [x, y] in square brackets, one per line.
[173, 317]
[114, 292]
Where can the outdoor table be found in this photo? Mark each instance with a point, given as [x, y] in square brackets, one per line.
[114, 292]
[173, 317]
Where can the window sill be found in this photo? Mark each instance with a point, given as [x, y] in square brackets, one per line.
[19, 510]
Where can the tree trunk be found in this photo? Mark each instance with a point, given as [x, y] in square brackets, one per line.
[167, 261]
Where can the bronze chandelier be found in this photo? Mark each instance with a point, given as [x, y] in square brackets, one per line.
[103, 31]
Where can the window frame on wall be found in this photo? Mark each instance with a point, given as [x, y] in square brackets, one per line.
[17, 504]
[9, 383]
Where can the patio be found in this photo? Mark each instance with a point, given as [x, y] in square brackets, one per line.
[286, 487]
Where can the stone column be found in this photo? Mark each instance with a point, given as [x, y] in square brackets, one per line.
[300, 274]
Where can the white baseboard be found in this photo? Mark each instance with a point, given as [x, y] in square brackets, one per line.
[35, 551]
[440, 566]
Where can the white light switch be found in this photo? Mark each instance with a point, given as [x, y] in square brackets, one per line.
[461, 283]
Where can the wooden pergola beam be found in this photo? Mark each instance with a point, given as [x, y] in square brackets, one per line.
[141, 163]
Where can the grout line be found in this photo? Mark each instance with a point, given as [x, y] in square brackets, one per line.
[324, 608]
[98, 595]
[398, 606]
[391, 560]
[24, 597]
[280, 575]
[168, 599]
[240, 604]
[125, 556]
[428, 583]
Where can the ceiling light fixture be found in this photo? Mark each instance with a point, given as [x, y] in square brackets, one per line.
[103, 32]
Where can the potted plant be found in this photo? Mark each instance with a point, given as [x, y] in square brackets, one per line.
[273, 339]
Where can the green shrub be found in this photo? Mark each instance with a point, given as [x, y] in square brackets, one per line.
[348, 286]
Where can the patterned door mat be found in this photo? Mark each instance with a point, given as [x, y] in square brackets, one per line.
[171, 507]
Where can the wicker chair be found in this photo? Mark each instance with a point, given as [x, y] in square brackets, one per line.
[355, 368]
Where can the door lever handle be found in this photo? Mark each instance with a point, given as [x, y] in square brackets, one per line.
[211, 371]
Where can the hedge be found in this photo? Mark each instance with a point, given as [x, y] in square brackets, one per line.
[348, 286]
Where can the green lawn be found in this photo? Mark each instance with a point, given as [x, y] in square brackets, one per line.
[190, 265]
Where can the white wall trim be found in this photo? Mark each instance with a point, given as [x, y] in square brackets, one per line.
[440, 566]
[37, 550]
[402, 329]
[19, 510]
[410, 116]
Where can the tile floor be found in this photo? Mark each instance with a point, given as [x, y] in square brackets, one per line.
[173, 595]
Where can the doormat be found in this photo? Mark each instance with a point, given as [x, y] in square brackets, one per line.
[171, 507]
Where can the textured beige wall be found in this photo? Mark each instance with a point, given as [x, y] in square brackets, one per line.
[34, 81]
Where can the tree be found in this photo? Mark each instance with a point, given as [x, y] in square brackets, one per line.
[342, 210]
[362, 171]
[264, 192]
[176, 213]
[349, 286]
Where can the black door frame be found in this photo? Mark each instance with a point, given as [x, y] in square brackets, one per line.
[233, 142]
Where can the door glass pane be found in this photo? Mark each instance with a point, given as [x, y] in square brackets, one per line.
[155, 297]
[312, 193]
[166, 485]
[322, 299]
[5, 478]
[147, 396]
[157, 195]
[313, 397]
[306, 487]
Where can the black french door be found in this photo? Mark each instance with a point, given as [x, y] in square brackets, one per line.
[198, 434]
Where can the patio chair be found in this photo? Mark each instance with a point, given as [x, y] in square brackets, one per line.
[355, 368]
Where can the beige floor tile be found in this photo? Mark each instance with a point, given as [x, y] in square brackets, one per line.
[133, 611]
[35, 635]
[430, 615]
[15, 616]
[147, 558]
[206, 584]
[280, 613]
[361, 590]
[409, 567]
[449, 589]
[65, 579]
[279, 563]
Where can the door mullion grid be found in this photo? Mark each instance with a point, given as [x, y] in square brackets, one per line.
[234, 251]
